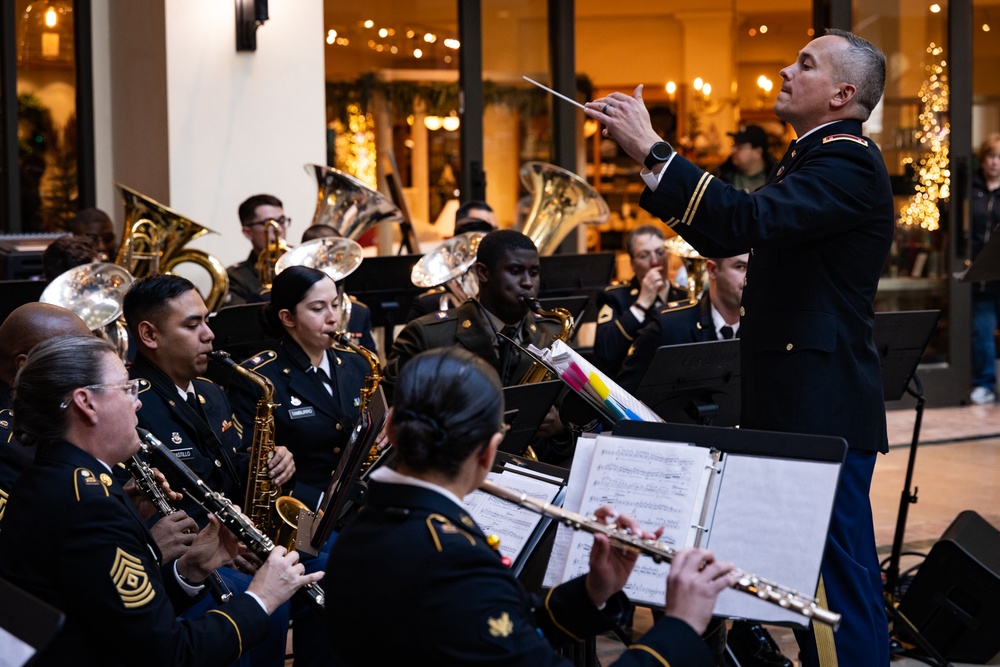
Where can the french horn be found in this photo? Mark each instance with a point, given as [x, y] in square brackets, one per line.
[349, 205]
[154, 239]
[560, 200]
[95, 293]
[449, 264]
[336, 257]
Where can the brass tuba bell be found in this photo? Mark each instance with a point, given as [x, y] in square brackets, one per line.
[561, 200]
[154, 239]
[348, 205]
[336, 257]
[694, 265]
[95, 293]
[449, 264]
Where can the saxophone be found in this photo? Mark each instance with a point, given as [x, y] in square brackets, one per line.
[263, 498]
[538, 372]
[367, 388]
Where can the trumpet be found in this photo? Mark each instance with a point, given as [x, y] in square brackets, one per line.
[769, 591]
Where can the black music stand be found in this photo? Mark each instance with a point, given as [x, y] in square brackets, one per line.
[406, 231]
[575, 304]
[383, 283]
[566, 275]
[29, 624]
[986, 266]
[526, 406]
[240, 330]
[695, 383]
[900, 338]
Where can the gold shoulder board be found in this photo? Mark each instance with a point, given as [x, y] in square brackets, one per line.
[845, 137]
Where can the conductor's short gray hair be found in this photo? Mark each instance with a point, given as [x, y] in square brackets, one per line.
[862, 65]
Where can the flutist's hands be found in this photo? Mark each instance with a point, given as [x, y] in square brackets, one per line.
[693, 584]
[610, 567]
[281, 466]
[213, 547]
[625, 120]
[281, 575]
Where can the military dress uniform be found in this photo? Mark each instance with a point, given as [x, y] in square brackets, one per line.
[678, 323]
[209, 444]
[418, 561]
[100, 566]
[818, 234]
[429, 302]
[13, 457]
[313, 424]
[617, 325]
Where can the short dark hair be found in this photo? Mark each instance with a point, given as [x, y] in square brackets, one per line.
[146, 299]
[313, 232]
[447, 404]
[642, 230]
[497, 243]
[53, 370]
[287, 291]
[65, 253]
[864, 67]
[248, 209]
[466, 222]
[85, 216]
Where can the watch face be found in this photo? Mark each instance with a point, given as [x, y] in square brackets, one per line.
[661, 151]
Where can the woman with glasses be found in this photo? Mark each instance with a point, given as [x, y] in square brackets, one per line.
[415, 560]
[72, 538]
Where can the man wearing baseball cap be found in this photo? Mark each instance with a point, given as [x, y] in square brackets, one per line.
[750, 162]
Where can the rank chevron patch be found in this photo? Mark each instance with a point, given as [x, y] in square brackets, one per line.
[131, 580]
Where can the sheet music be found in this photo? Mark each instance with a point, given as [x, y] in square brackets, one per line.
[772, 519]
[583, 454]
[514, 525]
[13, 651]
[660, 484]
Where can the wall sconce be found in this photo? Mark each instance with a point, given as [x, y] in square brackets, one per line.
[249, 15]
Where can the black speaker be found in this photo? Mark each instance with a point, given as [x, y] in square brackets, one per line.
[954, 599]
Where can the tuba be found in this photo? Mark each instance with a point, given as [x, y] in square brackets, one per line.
[269, 256]
[336, 257]
[154, 239]
[694, 264]
[560, 200]
[95, 292]
[449, 264]
[348, 205]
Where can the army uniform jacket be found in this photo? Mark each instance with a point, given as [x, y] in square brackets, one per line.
[469, 327]
[617, 326]
[422, 562]
[311, 423]
[430, 302]
[100, 566]
[212, 450]
[678, 323]
[13, 457]
[818, 234]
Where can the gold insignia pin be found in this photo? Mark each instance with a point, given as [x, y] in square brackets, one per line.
[295, 400]
[467, 520]
[494, 541]
[466, 324]
[130, 580]
[502, 626]
[105, 479]
[793, 153]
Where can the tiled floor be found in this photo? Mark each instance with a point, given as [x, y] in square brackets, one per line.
[955, 469]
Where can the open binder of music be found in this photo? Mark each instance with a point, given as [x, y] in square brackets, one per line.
[759, 500]
[519, 529]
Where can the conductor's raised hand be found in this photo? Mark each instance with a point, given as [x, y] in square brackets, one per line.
[625, 120]
[610, 566]
[693, 584]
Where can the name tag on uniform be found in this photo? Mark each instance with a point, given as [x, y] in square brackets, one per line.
[300, 413]
[182, 453]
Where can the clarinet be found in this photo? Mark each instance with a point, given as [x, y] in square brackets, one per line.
[768, 591]
[221, 507]
[143, 476]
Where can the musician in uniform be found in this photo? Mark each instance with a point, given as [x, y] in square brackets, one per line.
[418, 562]
[818, 233]
[244, 277]
[316, 383]
[625, 306]
[716, 316]
[100, 566]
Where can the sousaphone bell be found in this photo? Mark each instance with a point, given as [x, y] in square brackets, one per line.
[449, 264]
[336, 257]
[560, 200]
[349, 205]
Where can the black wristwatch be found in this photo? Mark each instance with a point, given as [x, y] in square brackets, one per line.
[659, 152]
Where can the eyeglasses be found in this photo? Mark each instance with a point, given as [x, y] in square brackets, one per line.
[647, 255]
[131, 389]
[283, 221]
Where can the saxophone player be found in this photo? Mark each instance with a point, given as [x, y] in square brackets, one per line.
[508, 271]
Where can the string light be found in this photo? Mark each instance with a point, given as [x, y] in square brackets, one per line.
[360, 156]
[933, 175]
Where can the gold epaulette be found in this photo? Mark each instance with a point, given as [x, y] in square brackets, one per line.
[86, 483]
[845, 137]
[144, 385]
[618, 284]
[675, 306]
[260, 360]
[441, 528]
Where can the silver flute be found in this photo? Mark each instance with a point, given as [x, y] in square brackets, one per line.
[769, 591]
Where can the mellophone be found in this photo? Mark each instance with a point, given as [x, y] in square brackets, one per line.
[769, 591]
[220, 506]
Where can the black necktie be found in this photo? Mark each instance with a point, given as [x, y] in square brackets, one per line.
[726, 331]
[509, 355]
[324, 379]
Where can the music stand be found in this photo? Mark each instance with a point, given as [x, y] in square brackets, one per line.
[900, 338]
[576, 304]
[240, 330]
[695, 383]
[383, 283]
[406, 231]
[986, 266]
[16, 293]
[27, 624]
[527, 405]
[567, 275]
